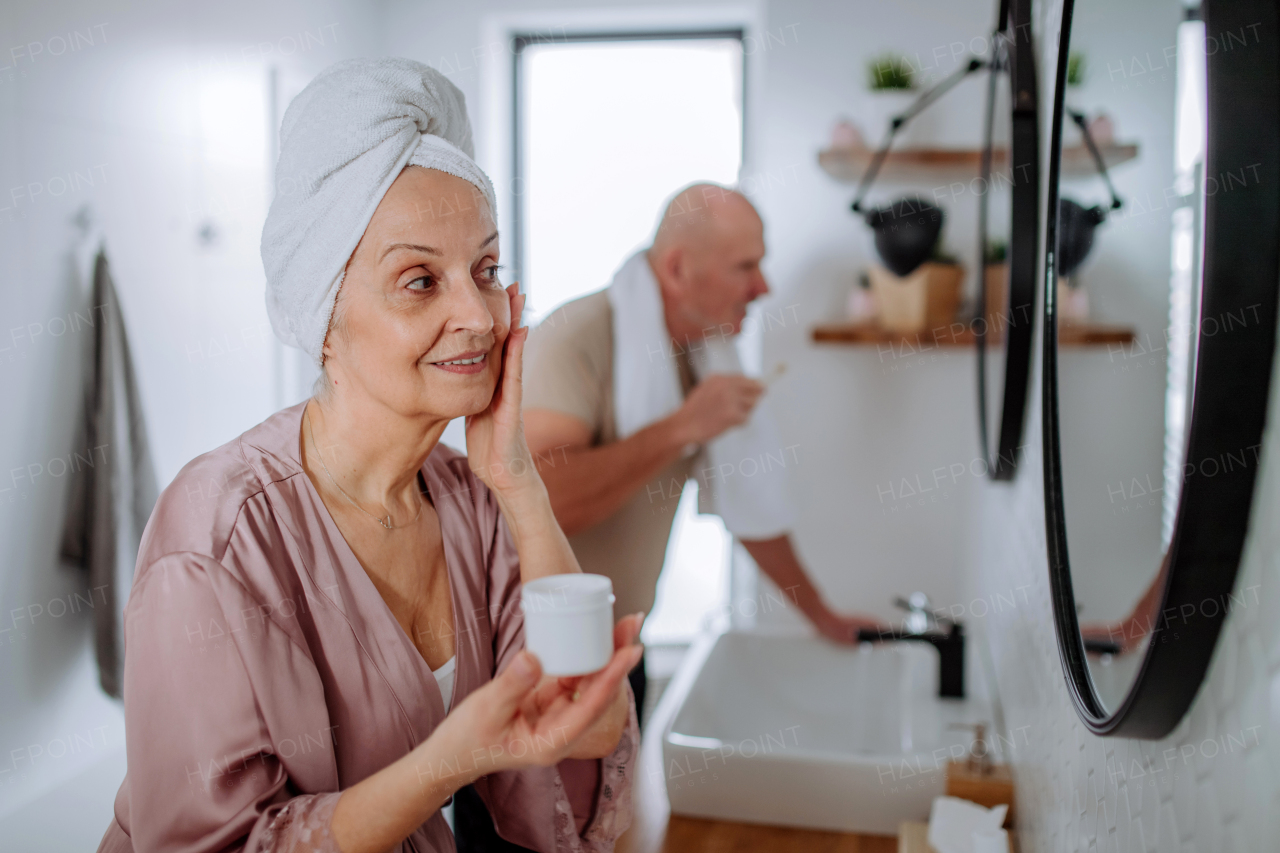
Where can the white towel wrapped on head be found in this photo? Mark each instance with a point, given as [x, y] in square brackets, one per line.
[344, 139]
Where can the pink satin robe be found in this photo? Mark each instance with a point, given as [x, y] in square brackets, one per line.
[264, 673]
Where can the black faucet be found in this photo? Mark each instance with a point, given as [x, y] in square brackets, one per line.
[950, 646]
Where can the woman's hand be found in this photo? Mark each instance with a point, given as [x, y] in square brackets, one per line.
[496, 449]
[601, 737]
[517, 720]
[522, 719]
[500, 457]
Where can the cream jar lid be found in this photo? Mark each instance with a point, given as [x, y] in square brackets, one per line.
[567, 593]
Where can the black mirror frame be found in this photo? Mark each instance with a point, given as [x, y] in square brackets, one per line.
[1241, 269]
[1023, 248]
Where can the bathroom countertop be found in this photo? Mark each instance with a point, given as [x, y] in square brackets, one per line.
[656, 830]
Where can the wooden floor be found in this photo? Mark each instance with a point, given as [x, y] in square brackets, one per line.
[655, 830]
[715, 836]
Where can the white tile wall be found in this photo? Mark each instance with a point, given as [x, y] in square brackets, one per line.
[1214, 784]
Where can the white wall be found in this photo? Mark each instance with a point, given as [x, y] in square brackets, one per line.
[160, 118]
[1211, 785]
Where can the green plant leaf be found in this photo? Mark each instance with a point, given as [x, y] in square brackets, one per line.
[1075, 69]
[890, 71]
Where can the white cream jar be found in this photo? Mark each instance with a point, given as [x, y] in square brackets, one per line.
[568, 622]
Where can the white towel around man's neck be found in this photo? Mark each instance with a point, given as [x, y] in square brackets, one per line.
[743, 474]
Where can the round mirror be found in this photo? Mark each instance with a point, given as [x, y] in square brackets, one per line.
[1008, 237]
[1160, 308]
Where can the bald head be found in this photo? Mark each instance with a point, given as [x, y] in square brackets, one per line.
[702, 214]
[706, 257]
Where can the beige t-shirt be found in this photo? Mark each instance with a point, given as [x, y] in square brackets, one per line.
[569, 369]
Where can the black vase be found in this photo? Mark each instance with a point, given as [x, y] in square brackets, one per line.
[1075, 234]
[906, 232]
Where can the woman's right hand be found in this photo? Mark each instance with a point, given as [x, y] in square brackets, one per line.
[510, 722]
[496, 448]
[518, 719]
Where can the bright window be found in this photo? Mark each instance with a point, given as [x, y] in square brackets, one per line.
[607, 130]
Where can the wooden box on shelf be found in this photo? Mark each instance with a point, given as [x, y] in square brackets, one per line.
[1073, 303]
[995, 283]
[926, 298]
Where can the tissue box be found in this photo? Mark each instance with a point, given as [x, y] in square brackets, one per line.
[959, 826]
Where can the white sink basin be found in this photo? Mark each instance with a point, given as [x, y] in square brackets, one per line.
[795, 731]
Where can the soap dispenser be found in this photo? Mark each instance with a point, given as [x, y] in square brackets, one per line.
[977, 778]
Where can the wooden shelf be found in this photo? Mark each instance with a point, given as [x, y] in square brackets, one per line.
[1094, 334]
[1069, 334]
[870, 333]
[932, 164]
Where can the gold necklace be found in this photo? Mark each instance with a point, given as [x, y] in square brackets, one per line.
[385, 523]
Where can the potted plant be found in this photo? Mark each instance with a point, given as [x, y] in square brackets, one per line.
[1075, 68]
[891, 86]
[890, 72]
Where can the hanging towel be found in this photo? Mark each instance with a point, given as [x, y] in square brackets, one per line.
[114, 487]
[744, 473]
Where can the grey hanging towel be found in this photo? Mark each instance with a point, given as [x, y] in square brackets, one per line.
[112, 494]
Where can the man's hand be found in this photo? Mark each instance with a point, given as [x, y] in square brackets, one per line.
[718, 403]
[1128, 634]
[778, 560]
[844, 628]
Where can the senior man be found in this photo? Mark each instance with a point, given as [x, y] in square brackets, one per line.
[630, 391]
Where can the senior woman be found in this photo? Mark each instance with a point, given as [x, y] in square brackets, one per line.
[324, 639]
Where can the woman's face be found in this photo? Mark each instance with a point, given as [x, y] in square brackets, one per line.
[421, 314]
